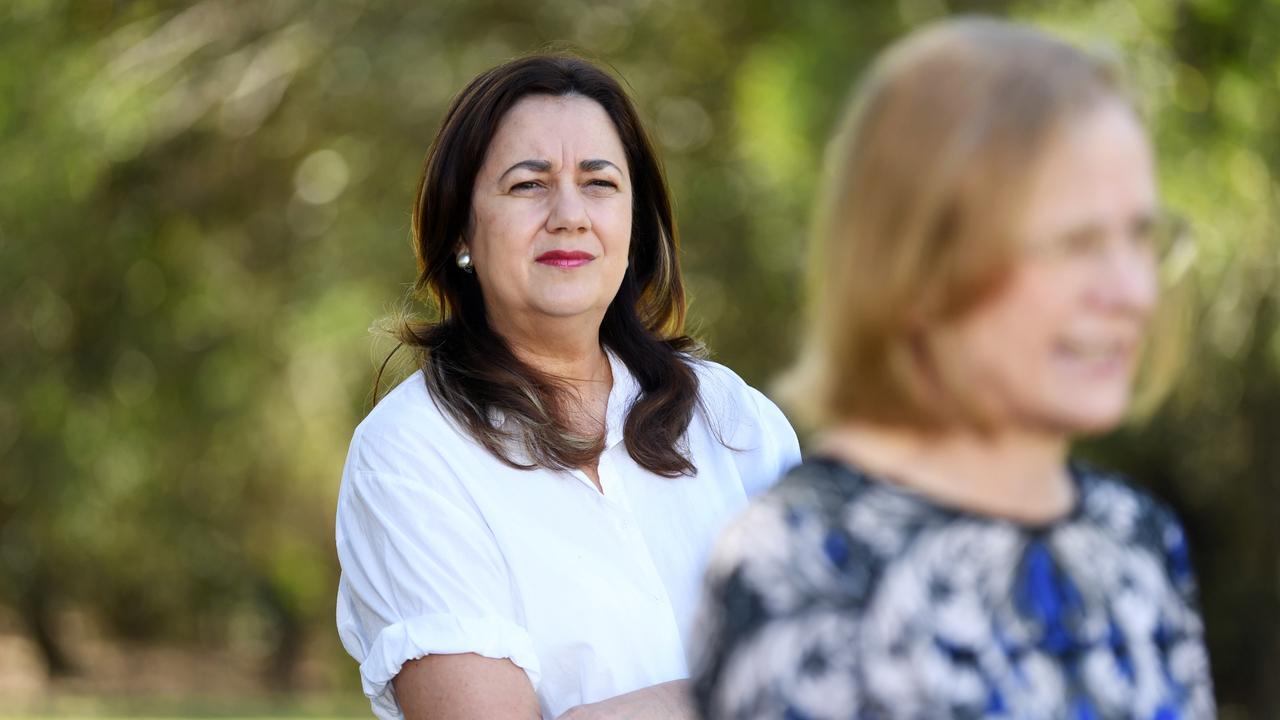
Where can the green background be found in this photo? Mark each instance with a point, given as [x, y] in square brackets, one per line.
[205, 206]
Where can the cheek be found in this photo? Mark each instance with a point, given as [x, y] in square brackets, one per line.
[499, 239]
[1002, 351]
[1037, 306]
[1015, 334]
[613, 228]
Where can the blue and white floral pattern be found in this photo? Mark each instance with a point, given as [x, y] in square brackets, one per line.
[841, 596]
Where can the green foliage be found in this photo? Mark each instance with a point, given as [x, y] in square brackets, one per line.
[205, 206]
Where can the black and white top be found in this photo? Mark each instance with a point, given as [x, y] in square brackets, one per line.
[839, 595]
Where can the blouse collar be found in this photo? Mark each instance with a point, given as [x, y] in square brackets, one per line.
[622, 395]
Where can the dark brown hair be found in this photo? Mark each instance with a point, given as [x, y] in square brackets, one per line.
[470, 370]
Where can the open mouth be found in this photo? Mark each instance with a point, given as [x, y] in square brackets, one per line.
[1098, 356]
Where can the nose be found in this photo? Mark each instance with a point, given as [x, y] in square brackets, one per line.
[568, 210]
[1128, 282]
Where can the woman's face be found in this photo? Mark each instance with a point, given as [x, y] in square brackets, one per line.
[1056, 348]
[551, 213]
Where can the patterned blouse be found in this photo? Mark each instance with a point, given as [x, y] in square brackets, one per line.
[838, 595]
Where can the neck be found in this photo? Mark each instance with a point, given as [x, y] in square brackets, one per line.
[567, 348]
[1015, 474]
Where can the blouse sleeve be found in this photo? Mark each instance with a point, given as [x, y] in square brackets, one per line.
[750, 423]
[777, 448]
[421, 572]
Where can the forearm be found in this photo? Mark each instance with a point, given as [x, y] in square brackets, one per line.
[665, 701]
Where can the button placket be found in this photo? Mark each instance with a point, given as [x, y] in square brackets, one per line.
[623, 518]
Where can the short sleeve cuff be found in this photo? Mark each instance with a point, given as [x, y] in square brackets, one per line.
[440, 634]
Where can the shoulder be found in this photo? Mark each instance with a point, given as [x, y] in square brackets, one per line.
[794, 542]
[822, 484]
[406, 435]
[407, 405]
[1110, 499]
[742, 419]
[768, 526]
[783, 601]
[1135, 518]
[719, 385]
[726, 397]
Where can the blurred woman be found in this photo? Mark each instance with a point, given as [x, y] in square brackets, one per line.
[523, 523]
[986, 271]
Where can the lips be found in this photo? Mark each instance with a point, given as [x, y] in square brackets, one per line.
[1098, 356]
[565, 258]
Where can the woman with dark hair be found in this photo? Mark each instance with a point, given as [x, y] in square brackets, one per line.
[523, 523]
[987, 272]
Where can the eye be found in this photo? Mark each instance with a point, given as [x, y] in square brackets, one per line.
[1143, 234]
[600, 186]
[1082, 242]
[1156, 233]
[526, 186]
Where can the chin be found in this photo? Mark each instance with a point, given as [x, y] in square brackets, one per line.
[572, 299]
[1084, 415]
[568, 307]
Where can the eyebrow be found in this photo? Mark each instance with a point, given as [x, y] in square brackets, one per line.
[594, 165]
[1146, 219]
[544, 166]
[1139, 221]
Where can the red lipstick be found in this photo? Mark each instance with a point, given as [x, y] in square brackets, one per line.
[565, 258]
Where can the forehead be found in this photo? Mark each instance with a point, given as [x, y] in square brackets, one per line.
[1096, 167]
[555, 128]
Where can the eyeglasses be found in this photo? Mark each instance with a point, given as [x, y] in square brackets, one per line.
[1163, 239]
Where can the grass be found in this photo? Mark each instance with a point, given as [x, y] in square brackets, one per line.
[345, 707]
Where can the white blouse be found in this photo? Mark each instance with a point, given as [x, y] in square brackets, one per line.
[445, 549]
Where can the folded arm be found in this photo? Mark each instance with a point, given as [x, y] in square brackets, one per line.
[665, 701]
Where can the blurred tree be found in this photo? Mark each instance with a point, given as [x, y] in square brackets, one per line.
[205, 205]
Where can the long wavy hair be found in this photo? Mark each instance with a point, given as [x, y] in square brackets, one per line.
[517, 412]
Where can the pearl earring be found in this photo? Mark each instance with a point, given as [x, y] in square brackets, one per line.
[464, 260]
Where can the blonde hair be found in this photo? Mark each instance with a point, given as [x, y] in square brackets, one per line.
[924, 183]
